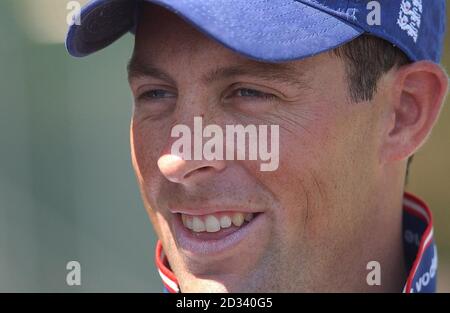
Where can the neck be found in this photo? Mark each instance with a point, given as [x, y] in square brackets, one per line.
[387, 239]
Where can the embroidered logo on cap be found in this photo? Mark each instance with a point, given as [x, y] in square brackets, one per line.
[410, 16]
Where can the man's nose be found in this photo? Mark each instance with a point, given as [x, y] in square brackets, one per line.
[188, 172]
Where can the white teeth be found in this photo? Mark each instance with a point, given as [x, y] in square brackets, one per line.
[189, 224]
[237, 219]
[198, 225]
[187, 221]
[212, 224]
[225, 221]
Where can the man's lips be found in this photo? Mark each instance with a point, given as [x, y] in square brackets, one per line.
[204, 210]
[215, 232]
[215, 222]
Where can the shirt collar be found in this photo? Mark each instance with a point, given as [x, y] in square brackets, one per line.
[419, 248]
[169, 280]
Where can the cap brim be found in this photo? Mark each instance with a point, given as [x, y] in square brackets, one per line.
[282, 31]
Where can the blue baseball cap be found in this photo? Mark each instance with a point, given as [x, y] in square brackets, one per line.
[276, 30]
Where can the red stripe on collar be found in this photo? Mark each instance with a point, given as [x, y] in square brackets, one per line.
[417, 207]
[168, 278]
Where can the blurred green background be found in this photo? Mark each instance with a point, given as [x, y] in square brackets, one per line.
[67, 189]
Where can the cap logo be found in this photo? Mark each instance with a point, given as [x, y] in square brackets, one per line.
[410, 16]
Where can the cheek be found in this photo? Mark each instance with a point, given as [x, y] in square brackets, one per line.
[307, 181]
[147, 144]
[329, 171]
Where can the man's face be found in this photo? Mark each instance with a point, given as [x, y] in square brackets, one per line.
[309, 215]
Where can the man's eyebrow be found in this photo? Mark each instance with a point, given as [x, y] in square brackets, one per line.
[137, 69]
[279, 72]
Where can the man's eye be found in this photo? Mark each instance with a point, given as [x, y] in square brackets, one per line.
[246, 92]
[156, 94]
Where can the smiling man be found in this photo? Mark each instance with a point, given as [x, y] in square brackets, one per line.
[355, 89]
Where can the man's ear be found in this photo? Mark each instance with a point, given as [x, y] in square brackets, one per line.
[416, 98]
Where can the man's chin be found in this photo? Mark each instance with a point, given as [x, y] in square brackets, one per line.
[210, 285]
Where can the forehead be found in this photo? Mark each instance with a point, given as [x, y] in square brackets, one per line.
[158, 27]
[162, 37]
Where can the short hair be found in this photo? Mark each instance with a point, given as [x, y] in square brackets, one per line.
[367, 59]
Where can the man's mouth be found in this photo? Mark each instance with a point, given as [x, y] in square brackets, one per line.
[213, 223]
[215, 233]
